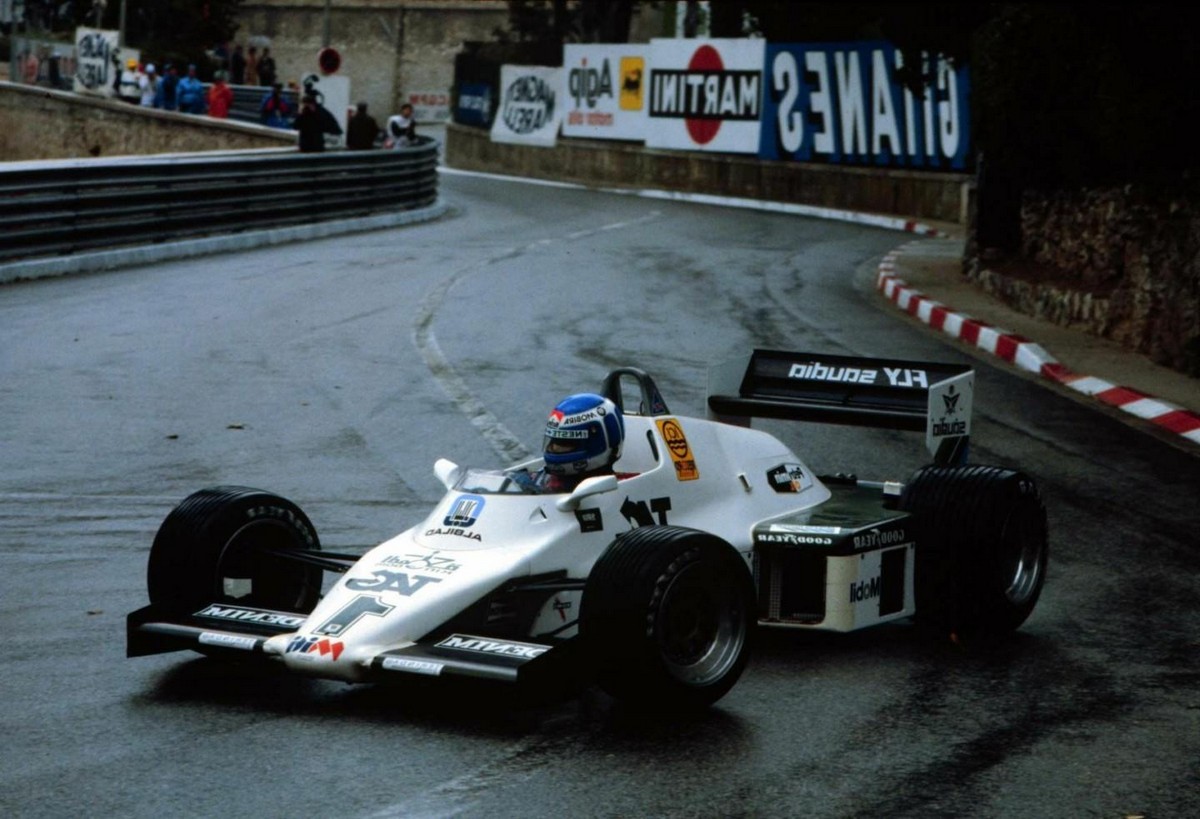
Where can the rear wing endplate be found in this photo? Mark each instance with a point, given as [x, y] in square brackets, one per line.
[832, 389]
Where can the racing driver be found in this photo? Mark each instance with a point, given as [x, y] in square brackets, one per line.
[583, 438]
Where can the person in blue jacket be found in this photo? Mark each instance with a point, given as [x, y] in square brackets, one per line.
[164, 94]
[190, 93]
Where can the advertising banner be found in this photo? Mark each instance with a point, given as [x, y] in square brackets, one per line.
[429, 106]
[474, 103]
[603, 92]
[706, 95]
[528, 113]
[840, 103]
[98, 61]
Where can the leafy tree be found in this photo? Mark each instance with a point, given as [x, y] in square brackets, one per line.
[557, 21]
[179, 31]
[1063, 94]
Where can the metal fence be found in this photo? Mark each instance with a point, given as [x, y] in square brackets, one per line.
[72, 206]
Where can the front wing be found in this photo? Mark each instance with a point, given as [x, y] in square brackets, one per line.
[232, 630]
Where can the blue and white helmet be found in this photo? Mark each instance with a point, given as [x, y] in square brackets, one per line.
[584, 433]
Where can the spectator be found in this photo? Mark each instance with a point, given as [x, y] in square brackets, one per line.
[402, 128]
[313, 122]
[54, 72]
[274, 109]
[220, 54]
[30, 68]
[266, 68]
[149, 86]
[362, 130]
[220, 97]
[190, 93]
[252, 66]
[237, 66]
[166, 97]
[116, 72]
[127, 88]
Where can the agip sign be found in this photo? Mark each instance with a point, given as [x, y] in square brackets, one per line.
[603, 91]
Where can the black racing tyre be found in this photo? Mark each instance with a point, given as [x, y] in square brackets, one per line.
[668, 617]
[982, 548]
[214, 546]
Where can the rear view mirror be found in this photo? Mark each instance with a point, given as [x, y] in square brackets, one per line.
[448, 472]
[588, 487]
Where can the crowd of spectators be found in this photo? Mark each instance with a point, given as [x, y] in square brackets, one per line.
[168, 87]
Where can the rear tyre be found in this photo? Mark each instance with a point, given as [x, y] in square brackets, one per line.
[982, 548]
[668, 617]
[220, 545]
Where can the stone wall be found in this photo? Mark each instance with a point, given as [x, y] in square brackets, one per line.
[389, 48]
[1121, 263]
[44, 124]
[603, 163]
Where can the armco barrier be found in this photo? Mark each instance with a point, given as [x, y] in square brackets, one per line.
[69, 206]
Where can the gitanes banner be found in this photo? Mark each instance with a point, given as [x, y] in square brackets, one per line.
[603, 91]
[706, 95]
[841, 103]
[528, 113]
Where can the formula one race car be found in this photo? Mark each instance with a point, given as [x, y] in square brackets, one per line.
[653, 578]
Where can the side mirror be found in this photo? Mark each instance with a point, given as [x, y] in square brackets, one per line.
[588, 487]
[448, 472]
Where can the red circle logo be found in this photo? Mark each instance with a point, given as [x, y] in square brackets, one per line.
[706, 58]
[329, 60]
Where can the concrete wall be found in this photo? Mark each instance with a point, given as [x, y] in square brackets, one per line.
[911, 194]
[389, 48]
[44, 124]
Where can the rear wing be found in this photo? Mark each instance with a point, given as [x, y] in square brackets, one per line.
[833, 389]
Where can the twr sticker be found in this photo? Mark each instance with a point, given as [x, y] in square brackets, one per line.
[681, 452]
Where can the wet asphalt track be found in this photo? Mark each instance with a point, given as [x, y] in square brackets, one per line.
[335, 372]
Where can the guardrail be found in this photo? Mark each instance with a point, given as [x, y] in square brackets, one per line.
[72, 206]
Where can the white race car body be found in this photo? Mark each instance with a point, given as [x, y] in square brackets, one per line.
[477, 538]
[493, 582]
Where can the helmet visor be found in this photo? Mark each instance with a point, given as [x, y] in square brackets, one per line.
[565, 441]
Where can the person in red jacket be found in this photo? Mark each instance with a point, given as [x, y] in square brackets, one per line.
[220, 97]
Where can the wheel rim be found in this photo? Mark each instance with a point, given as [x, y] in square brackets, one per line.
[247, 574]
[701, 626]
[1021, 563]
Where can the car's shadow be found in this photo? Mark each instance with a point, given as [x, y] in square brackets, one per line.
[571, 713]
[481, 708]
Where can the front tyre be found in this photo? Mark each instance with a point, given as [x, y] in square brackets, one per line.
[668, 616]
[228, 544]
